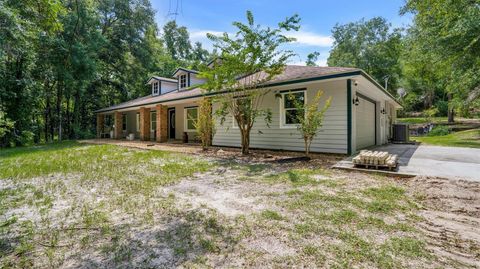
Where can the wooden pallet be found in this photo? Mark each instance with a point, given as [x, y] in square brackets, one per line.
[377, 166]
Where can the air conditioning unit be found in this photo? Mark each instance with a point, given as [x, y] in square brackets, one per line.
[401, 133]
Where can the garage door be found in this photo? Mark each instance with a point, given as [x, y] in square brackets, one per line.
[365, 118]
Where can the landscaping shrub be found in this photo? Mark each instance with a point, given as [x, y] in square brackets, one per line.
[442, 107]
[26, 138]
[439, 130]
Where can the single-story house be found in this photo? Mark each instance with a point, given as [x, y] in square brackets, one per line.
[361, 112]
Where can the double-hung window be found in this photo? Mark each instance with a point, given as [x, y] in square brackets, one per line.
[156, 88]
[290, 107]
[183, 81]
[191, 116]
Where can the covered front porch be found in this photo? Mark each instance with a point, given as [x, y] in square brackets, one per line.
[155, 122]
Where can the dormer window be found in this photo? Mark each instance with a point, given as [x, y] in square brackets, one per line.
[183, 81]
[156, 88]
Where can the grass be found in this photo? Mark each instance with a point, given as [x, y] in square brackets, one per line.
[110, 202]
[420, 120]
[70, 195]
[470, 138]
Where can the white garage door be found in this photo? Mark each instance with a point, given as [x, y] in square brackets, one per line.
[365, 118]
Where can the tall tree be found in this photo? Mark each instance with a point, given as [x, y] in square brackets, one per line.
[448, 31]
[177, 41]
[60, 60]
[254, 56]
[370, 45]
[312, 58]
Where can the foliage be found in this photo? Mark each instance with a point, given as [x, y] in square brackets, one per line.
[6, 124]
[439, 130]
[62, 60]
[312, 58]
[205, 124]
[254, 56]
[445, 34]
[442, 107]
[430, 113]
[369, 45]
[310, 121]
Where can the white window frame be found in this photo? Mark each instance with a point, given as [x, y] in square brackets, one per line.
[156, 88]
[185, 123]
[152, 120]
[182, 76]
[283, 123]
[138, 122]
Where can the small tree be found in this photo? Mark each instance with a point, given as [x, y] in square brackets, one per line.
[205, 124]
[310, 121]
[245, 63]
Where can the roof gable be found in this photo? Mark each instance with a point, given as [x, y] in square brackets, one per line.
[171, 80]
[184, 70]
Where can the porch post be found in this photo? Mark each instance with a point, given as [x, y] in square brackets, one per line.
[100, 124]
[161, 123]
[144, 124]
[118, 125]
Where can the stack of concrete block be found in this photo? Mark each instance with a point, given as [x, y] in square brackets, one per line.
[367, 157]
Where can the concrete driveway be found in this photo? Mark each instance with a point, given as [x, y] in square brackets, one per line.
[446, 162]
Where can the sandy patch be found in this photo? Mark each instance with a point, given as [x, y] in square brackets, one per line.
[220, 190]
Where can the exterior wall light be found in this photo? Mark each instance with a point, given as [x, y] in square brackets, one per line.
[355, 101]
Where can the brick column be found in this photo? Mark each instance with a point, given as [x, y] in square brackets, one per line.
[100, 124]
[162, 123]
[144, 124]
[118, 125]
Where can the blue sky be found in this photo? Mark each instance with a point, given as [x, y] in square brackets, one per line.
[318, 18]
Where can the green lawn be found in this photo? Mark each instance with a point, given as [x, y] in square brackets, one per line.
[420, 120]
[470, 138]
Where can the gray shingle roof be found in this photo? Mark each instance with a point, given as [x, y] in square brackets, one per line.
[291, 73]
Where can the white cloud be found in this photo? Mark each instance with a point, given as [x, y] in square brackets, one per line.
[302, 37]
[202, 34]
[311, 39]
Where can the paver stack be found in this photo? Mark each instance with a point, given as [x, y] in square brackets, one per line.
[376, 159]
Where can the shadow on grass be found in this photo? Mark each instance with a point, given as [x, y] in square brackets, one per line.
[185, 240]
[25, 151]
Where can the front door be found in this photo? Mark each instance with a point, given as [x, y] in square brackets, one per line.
[171, 123]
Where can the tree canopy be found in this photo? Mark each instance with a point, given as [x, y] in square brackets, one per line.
[246, 60]
[370, 45]
[62, 60]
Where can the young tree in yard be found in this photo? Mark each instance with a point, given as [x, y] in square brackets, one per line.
[310, 121]
[246, 62]
[205, 124]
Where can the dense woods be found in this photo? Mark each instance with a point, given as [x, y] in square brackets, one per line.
[435, 62]
[60, 60]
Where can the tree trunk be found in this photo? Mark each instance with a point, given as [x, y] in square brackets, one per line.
[450, 109]
[245, 142]
[59, 110]
[47, 117]
[307, 147]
